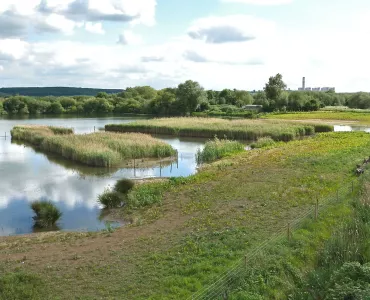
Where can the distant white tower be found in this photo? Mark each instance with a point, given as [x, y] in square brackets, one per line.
[303, 83]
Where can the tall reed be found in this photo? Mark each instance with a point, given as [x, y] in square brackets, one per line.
[210, 127]
[103, 149]
[216, 149]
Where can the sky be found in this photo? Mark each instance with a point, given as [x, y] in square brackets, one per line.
[219, 43]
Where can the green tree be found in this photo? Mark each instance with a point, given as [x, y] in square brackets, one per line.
[275, 87]
[189, 95]
[243, 98]
[2, 111]
[56, 108]
[164, 103]
[359, 100]
[67, 103]
[15, 105]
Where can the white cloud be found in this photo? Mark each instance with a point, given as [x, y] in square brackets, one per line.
[1, 68]
[19, 17]
[60, 23]
[128, 37]
[94, 27]
[232, 28]
[14, 48]
[260, 2]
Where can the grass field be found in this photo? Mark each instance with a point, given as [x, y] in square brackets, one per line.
[231, 129]
[196, 227]
[97, 149]
[351, 115]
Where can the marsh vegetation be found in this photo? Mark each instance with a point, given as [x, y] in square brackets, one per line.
[96, 149]
[231, 129]
[47, 214]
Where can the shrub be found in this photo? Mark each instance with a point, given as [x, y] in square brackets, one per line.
[47, 214]
[111, 199]
[123, 186]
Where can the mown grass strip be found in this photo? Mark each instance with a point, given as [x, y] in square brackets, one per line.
[230, 129]
[97, 149]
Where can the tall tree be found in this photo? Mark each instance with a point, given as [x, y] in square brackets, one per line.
[189, 95]
[275, 87]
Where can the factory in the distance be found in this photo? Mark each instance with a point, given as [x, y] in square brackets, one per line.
[315, 89]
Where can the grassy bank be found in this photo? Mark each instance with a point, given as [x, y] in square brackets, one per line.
[193, 230]
[97, 149]
[356, 116]
[211, 127]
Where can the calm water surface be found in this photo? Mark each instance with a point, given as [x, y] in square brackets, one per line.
[26, 176]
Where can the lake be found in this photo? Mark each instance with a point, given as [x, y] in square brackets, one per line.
[27, 175]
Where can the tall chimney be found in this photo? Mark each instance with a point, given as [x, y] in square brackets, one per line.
[304, 83]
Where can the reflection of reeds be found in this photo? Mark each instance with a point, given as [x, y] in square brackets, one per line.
[208, 128]
[47, 214]
[97, 149]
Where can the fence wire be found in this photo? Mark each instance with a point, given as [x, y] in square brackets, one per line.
[220, 288]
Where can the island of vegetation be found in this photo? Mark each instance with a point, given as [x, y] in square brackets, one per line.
[232, 129]
[100, 149]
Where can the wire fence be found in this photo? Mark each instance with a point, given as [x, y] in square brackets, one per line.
[223, 285]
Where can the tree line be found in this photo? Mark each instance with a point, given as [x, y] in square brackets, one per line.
[188, 98]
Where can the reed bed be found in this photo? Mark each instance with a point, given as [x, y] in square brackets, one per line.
[217, 149]
[97, 149]
[210, 127]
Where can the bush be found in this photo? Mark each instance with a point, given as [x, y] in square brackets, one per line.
[47, 214]
[111, 199]
[123, 186]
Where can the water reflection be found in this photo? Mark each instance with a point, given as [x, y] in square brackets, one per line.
[27, 175]
[349, 128]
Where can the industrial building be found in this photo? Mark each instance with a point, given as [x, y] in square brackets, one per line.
[316, 89]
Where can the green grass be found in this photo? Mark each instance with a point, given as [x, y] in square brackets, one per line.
[20, 286]
[216, 149]
[47, 214]
[97, 149]
[263, 142]
[358, 116]
[211, 127]
[189, 232]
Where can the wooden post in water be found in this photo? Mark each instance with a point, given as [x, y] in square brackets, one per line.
[177, 160]
[160, 167]
[134, 167]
